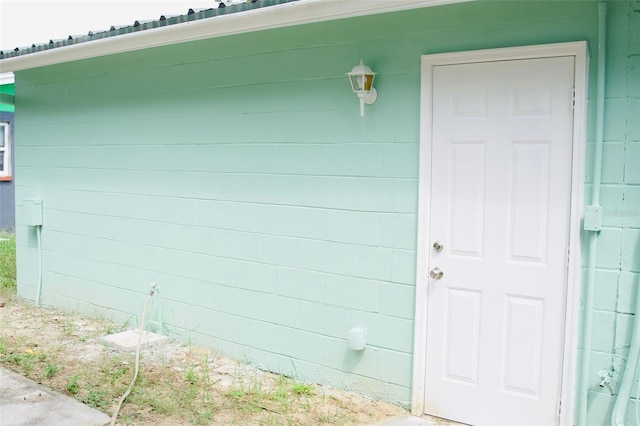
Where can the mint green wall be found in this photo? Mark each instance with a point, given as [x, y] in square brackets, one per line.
[238, 175]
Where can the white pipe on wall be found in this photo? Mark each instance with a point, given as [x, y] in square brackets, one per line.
[589, 291]
[39, 288]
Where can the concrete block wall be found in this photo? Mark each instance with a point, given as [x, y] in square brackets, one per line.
[618, 263]
[237, 174]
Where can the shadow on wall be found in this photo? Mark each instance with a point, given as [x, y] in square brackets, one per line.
[631, 408]
[624, 410]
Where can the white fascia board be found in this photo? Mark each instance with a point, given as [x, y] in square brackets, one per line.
[277, 16]
[6, 78]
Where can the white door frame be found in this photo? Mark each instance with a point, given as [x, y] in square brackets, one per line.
[579, 51]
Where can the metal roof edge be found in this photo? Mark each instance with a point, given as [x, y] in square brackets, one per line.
[276, 16]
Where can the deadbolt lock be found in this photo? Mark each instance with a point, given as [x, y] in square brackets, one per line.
[437, 246]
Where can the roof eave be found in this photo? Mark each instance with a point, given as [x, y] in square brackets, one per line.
[277, 16]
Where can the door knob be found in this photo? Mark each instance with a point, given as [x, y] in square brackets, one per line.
[436, 273]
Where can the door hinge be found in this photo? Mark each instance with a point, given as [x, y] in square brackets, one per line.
[568, 256]
[559, 407]
[573, 99]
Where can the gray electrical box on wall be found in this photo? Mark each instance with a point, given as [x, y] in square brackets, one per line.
[33, 211]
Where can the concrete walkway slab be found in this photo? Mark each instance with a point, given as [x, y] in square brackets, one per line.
[417, 421]
[406, 421]
[23, 402]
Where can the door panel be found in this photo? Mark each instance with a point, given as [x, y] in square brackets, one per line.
[499, 203]
[462, 329]
[466, 199]
[528, 201]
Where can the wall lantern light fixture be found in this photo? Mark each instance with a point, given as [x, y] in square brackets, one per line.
[361, 79]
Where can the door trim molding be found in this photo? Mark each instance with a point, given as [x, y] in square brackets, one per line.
[577, 50]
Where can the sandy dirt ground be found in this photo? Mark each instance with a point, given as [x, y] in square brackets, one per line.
[177, 384]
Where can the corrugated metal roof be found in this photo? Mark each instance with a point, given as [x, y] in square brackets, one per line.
[257, 15]
[191, 15]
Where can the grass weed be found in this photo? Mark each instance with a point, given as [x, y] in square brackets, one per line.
[7, 265]
[302, 389]
[72, 385]
[50, 369]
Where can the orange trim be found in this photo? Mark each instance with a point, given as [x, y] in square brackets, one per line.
[6, 178]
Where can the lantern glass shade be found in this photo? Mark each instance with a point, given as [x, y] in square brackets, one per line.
[361, 78]
[361, 82]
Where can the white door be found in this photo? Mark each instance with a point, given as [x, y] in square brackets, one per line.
[500, 207]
